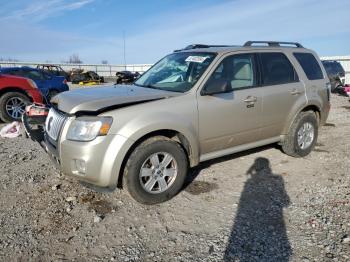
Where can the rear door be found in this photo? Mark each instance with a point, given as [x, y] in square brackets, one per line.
[230, 119]
[315, 79]
[283, 92]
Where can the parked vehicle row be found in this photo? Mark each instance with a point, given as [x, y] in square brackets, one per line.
[49, 84]
[195, 104]
[15, 93]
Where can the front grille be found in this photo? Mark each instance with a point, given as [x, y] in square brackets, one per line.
[54, 123]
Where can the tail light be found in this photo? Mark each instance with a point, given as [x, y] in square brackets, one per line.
[65, 81]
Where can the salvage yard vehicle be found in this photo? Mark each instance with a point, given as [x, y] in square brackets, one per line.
[48, 84]
[54, 70]
[126, 77]
[78, 76]
[193, 105]
[15, 94]
[336, 75]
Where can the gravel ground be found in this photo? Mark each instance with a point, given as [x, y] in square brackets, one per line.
[259, 205]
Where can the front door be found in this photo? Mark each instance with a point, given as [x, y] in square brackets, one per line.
[230, 119]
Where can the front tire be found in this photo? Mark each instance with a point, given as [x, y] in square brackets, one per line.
[302, 136]
[156, 170]
[12, 106]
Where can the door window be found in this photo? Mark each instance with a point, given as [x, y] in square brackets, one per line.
[238, 70]
[34, 75]
[276, 69]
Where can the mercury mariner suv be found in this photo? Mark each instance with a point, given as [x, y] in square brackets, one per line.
[195, 104]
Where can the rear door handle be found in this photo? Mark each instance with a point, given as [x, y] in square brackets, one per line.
[250, 99]
[295, 92]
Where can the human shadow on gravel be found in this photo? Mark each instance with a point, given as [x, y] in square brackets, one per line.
[259, 232]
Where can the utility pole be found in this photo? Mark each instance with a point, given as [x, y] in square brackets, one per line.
[124, 49]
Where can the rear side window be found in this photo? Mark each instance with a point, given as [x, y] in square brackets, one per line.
[310, 65]
[276, 69]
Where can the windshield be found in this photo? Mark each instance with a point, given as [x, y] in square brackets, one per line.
[177, 72]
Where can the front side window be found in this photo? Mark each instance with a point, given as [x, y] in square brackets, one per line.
[238, 70]
[34, 75]
[177, 72]
[276, 69]
[310, 65]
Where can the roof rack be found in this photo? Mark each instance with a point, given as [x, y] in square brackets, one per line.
[196, 46]
[272, 43]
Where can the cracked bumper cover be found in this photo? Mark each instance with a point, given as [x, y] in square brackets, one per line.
[103, 158]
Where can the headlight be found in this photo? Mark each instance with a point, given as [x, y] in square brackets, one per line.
[32, 83]
[88, 128]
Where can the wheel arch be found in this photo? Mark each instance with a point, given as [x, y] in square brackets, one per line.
[310, 107]
[14, 89]
[172, 134]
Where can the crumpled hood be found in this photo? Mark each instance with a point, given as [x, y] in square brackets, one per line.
[94, 99]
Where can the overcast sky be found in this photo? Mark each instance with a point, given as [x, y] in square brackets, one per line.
[52, 30]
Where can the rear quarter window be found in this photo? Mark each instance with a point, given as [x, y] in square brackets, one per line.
[310, 65]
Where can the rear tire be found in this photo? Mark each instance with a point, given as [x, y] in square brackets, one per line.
[151, 183]
[12, 105]
[302, 135]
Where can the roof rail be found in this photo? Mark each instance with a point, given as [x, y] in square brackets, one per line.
[272, 43]
[196, 46]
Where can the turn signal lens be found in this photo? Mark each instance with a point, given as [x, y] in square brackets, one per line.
[105, 128]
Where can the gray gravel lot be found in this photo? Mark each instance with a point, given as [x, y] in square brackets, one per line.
[259, 205]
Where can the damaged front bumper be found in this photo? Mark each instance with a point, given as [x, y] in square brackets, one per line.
[96, 162]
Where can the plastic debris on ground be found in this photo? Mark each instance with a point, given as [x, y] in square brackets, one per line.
[11, 130]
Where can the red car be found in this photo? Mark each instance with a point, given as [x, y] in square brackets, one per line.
[15, 93]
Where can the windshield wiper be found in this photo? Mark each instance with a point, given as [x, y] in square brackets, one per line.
[147, 86]
[159, 88]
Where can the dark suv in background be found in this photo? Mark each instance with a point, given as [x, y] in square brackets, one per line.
[336, 75]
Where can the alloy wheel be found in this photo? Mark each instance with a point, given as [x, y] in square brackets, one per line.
[158, 172]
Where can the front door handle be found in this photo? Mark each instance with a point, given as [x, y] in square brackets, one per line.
[295, 92]
[250, 99]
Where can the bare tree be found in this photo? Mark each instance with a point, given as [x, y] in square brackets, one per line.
[104, 62]
[74, 59]
[9, 59]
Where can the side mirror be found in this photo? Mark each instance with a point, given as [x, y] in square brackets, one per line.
[216, 86]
